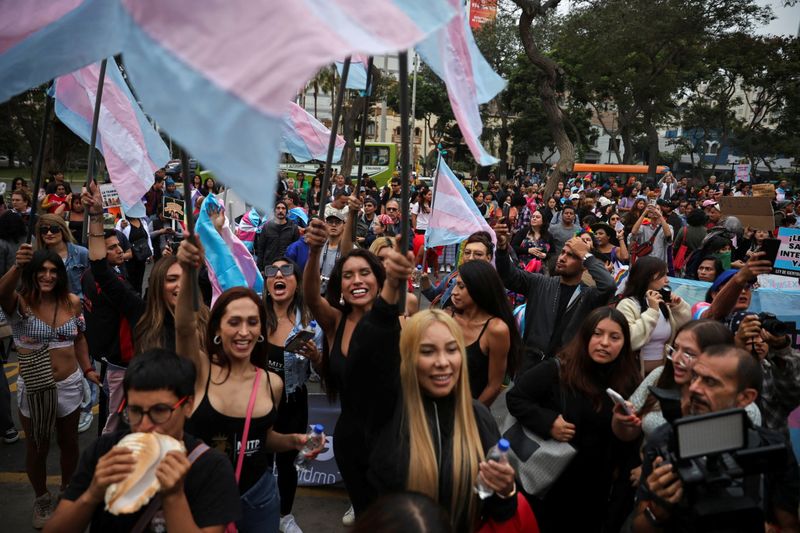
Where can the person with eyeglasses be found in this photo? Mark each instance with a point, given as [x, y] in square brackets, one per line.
[198, 489]
[287, 315]
[53, 234]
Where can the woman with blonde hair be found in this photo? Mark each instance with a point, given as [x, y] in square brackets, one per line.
[426, 432]
[53, 234]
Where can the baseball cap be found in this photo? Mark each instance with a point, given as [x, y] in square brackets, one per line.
[331, 211]
[711, 203]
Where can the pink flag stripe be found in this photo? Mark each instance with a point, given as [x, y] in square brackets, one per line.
[312, 132]
[235, 65]
[20, 19]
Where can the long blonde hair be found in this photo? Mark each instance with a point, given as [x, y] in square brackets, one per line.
[423, 471]
[48, 219]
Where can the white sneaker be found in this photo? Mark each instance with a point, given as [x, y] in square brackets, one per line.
[349, 517]
[42, 509]
[288, 525]
[85, 421]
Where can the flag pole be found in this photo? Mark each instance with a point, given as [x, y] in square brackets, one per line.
[188, 213]
[363, 132]
[37, 177]
[404, 164]
[90, 174]
[337, 110]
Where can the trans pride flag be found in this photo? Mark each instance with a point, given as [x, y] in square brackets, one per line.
[454, 215]
[306, 138]
[452, 54]
[218, 75]
[357, 76]
[132, 149]
[229, 262]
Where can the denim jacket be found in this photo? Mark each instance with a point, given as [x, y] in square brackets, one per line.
[296, 367]
[76, 263]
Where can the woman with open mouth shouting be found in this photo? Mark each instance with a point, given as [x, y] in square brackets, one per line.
[236, 398]
[564, 399]
[287, 316]
[352, 289]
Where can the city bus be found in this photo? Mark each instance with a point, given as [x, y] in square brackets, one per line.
[380, 163]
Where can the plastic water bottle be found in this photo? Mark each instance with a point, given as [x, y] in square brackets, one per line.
[415, 276]
[499, 454]
[302, 462]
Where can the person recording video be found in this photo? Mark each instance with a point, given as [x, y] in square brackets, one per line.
[723, 377]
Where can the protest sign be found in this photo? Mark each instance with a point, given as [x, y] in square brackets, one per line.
[764, 189]
[743, 173]
[110, 195]
[173, 208]
[755, 211]
[788, 260]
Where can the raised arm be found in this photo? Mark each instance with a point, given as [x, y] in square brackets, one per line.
[354, 208]
[190, 254]
[513, 278]
[8, 283]
[726, 298]
[326, 316]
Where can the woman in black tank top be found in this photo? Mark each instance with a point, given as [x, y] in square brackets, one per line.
[354, 284]
[480, 305]
[226, 378]
[286, 315]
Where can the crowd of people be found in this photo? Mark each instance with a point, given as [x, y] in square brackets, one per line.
[567, 297]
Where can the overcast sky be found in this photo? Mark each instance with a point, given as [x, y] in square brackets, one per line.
[786, 21]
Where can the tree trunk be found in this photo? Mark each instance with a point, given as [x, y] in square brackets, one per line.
[652, 148]
[553, 112]
[502, 168]
[627, 143]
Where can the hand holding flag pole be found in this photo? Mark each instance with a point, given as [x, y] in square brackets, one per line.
[337, 110]
[188, 213]
[404, 163]
[90, 171]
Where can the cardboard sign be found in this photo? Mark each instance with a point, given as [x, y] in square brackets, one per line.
[788, 261]
[743, 172]
[764, 189]
[755, 211]
[173, 208]
[110, 195]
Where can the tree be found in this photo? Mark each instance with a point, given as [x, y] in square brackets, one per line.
[548, 86]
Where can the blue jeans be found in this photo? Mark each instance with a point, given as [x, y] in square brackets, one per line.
[261, 506]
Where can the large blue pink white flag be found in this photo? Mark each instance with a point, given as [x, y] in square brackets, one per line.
[131, 148]
[454, 214]
[357, 76]
[453, 55]
[228, 260]
[217, 75]
[306, 138]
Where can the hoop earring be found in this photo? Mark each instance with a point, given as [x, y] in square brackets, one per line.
[260, 338]
[341, 300]
[217, 340]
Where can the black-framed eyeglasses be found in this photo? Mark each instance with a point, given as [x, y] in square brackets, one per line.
[159, 413]
[52, 228]
[334, 221]
[271, 271]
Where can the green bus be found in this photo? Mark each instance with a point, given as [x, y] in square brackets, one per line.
[380, 162]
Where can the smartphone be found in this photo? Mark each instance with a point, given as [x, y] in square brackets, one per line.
[619, 226]
[770, 248]
[298, 340]
[506, 209]
[619, 400]
[666, 293]
[652, 201]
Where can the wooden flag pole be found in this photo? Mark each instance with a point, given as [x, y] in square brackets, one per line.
[337, 110]
[90, 174]
[404, 165]
[37, 176]
[188, 214]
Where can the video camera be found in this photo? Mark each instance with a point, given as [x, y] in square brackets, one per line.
[769, 322]
[719, 459]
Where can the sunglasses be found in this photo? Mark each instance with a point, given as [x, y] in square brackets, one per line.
[160, 413]
[53, 228]
[271, 271]
[392, 209]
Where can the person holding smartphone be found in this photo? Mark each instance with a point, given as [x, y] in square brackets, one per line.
[652, 227]
[652, 318]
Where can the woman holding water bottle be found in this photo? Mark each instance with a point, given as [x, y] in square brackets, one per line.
[425, 432]
[236, 399]
[287, 317]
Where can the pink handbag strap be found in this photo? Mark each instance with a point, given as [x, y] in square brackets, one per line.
[250, 405]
